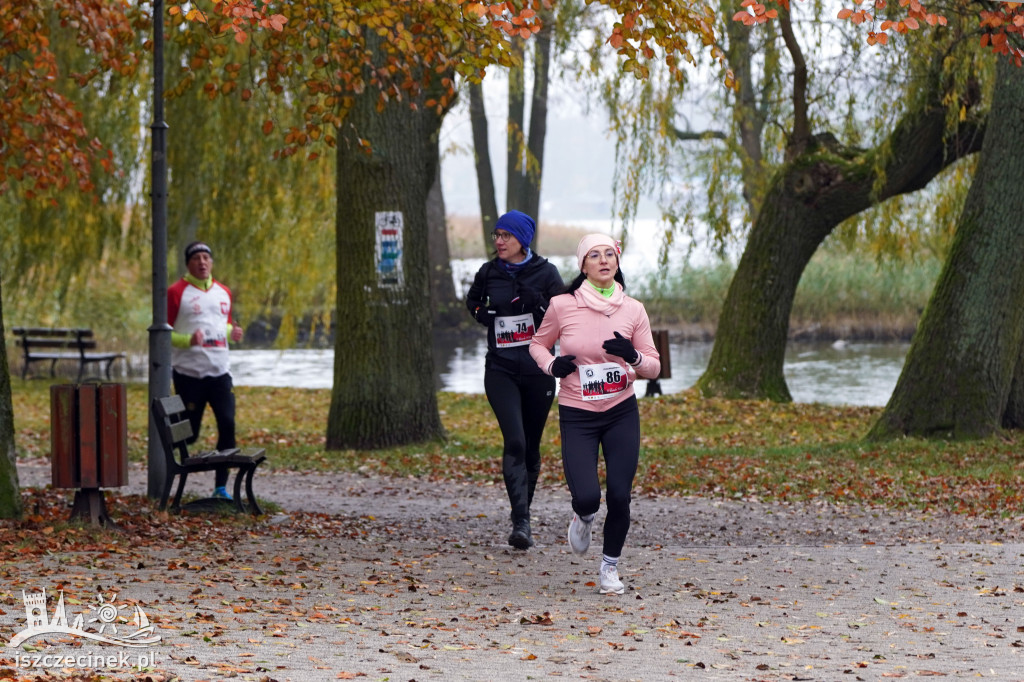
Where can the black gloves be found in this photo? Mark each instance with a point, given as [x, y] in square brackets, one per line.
[622, 347]
[528, 298]
[563, 366]
[484, 315]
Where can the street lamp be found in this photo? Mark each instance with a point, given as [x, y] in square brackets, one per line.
[159, 330]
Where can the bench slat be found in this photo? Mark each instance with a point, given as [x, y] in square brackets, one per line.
[81, 340]
[82, 332]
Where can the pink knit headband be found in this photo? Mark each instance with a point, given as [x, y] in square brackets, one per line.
[591, 241]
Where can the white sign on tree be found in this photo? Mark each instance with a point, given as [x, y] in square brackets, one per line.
[389, 225]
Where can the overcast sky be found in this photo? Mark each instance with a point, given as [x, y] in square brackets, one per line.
[579, 157]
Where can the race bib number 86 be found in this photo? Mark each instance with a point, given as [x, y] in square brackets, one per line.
[602, 381]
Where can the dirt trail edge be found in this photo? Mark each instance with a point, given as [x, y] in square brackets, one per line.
[400, 579]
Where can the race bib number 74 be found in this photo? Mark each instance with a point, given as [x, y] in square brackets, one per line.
[513, 330]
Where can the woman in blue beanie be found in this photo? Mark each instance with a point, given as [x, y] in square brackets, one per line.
[509, 296]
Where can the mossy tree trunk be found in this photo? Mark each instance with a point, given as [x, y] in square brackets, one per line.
[807, 199]
[383, 392]
[957, 378]
[10, 493]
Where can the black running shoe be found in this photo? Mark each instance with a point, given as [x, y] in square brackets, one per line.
[520, 537]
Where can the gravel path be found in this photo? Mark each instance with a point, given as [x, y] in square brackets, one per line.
[401, 579]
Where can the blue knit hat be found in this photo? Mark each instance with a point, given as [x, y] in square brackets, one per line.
[519, 225]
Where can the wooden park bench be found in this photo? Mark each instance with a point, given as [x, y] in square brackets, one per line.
[175, 429]
[54, 344]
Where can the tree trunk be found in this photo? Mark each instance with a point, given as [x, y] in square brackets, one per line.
[446, 307]
[10, 493]
[807, 199]
[538, 121]
[525, 156]
[957, 377]
[482, 156]
[515, 142]
[383, 393]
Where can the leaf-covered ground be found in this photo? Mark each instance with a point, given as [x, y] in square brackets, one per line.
[406, 579]
[404, 536]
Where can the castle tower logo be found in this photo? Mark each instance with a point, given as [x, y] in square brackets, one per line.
[104, 619]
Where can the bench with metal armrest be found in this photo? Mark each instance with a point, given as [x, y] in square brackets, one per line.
[175, 430]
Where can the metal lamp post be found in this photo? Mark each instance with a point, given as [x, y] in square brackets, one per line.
[160, 330]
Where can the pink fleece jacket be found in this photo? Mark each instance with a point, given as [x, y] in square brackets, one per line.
[580, 330]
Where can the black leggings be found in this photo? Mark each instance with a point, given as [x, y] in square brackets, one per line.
[521, 403]
[219, 393]
[617, 432]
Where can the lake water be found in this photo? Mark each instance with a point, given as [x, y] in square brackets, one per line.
[839, 374]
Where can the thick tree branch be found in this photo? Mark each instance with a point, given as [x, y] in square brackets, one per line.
[800, 136]
[690, 136]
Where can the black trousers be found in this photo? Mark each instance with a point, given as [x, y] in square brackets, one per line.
[219, 393]
[521, 404]
[617, 433]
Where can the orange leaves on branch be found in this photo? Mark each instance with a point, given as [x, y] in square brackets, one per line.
[196, 15]
[856, 16]
[664, 30]
[475, 9]
[237, 16]
[756, 13]
[405, 51]
[998, 25]
[916, 14]
[43, 141]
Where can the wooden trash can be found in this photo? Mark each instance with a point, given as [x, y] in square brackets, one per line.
[89, 444]
[661, 343]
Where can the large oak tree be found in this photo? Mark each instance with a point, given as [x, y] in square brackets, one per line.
[378, 78]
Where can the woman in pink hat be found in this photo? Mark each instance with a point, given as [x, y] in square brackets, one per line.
[605, 343]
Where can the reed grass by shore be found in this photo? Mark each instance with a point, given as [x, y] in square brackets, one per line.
[839, 297]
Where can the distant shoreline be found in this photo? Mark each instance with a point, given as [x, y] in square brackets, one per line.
[881, 330]
[860, 330]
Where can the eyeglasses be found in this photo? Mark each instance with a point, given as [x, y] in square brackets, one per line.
[501, 236]
[596, 255]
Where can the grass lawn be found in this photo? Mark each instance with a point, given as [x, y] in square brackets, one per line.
[691, 446]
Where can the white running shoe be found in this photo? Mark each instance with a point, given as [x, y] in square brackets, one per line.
[579, 534]
[610, 583]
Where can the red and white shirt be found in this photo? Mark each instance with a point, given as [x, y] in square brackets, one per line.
[190, 308]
